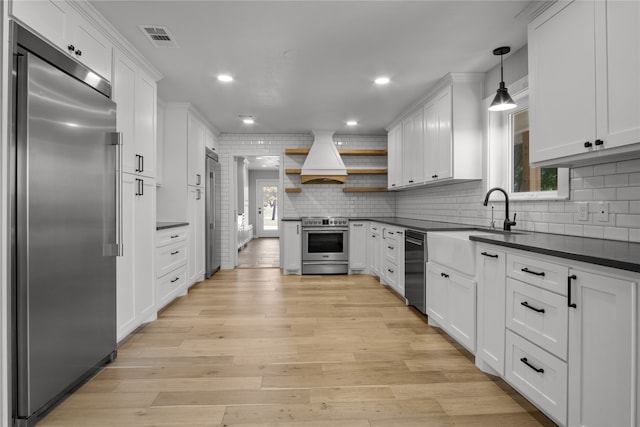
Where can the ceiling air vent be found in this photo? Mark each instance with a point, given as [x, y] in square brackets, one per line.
[159, 36]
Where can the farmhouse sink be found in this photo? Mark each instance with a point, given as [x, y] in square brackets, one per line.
[453, 249]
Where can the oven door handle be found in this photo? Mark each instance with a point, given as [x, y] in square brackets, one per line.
[324, 230]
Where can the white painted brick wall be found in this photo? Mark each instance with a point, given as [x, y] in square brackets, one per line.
[617, 183]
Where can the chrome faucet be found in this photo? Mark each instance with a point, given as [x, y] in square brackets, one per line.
[507, 222]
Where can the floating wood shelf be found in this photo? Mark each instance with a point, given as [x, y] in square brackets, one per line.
[364, 189]
[366, 171]
[343, 152]
[293, 190]
[349, 171]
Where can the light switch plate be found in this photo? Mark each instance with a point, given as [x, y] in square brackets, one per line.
[583, 211]
[603, 212]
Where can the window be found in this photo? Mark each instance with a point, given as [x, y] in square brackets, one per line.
[508, 154]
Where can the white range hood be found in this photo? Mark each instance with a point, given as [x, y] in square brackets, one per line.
[323, 164]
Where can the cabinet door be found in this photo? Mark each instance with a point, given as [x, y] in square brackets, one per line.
[196, 153]
[124, 94]
[444, 134]
[374, 253]
[618, 72]
[430, 141]
[195, 256]
[394, 158]
[358, 245]
[92, 47]
[145, 230]
[211, 140]
[602, 351]
[48, 17]
[125, 264]
[412, 149]
[490, 271]
[436, 295]
[292, 262]
[461, 310]
[145, 124]
[562, 81]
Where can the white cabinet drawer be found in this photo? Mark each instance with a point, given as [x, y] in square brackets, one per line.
[393, 234]
[539, 376]
[170, 285]
[170, 257]
[391, 274]
[171, 236]
[391, 251]
[539, 316]
[546, 275]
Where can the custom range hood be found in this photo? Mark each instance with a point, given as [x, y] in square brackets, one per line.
[323, 164]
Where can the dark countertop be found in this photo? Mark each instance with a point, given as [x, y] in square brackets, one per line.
[610, 253]
[165, 225]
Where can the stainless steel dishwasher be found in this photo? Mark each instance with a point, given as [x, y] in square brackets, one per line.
[415, 260]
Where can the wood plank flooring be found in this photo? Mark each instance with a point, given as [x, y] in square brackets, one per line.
[250, 347]
[260, 253]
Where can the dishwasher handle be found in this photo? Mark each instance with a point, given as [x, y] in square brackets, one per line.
[414, 241]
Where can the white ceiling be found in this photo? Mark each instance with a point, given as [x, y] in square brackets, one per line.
[303, 65]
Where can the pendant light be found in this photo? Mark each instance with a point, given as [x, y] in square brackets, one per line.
[502, 101]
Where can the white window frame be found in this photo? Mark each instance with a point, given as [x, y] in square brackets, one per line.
[499, 151]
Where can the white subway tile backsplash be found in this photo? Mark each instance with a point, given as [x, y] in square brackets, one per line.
[582, 172]
[628, 193]
[616, 233]
[604, 169]
[634, 207]
[556, 228]
[593, 182]
[630, 221]
[634, 235]
[573, 230]
[604, 194]
[595, 231]
[628, 166]
[634, 178]
[618, 180]
[583, 195]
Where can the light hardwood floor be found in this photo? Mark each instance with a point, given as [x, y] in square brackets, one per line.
[260, 253]
[250, 347]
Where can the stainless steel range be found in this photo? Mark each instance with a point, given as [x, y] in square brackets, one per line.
[325, 245]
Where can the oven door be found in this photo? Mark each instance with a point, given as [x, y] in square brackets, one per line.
[325, 245]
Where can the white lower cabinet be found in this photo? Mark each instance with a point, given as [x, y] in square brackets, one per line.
[135, 269]
[196, 255]
[451, 304]
[570, 335]
[603, 354]
[171, 264]
[490, 264]
[374, 249]
[538, 375]
[292, 254]
[358, 231]
[392, 258]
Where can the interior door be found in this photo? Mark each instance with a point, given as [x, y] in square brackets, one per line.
[267, 210]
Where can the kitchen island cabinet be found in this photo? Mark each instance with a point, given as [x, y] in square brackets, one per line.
[589, 51]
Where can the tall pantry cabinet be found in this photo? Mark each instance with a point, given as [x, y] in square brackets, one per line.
[182, 194]
[134, 91]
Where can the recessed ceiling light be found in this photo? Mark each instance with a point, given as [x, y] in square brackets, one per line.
[225, 78]
[382, 80]
[352, 123]
[248, 121]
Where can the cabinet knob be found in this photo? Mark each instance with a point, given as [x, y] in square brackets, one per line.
[71, 48]
[410, 181]
[78, 52]
[599, 142]
[587, 144]
[434, 176]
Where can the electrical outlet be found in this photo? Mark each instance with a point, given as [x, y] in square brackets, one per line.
[603, 212]
[583, 211]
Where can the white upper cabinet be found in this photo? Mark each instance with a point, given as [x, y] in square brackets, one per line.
[135, 94]
[394, 157]
[442, 139]
[196, 134]
[412, 149]
[211, 141]
[584, 77]
[65, 28]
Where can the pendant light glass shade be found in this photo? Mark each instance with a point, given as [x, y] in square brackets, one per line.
[502, 100]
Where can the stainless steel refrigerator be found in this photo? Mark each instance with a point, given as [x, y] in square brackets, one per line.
[66, 162]
[212, 213]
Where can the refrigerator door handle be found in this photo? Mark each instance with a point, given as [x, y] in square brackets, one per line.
[116, 140]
